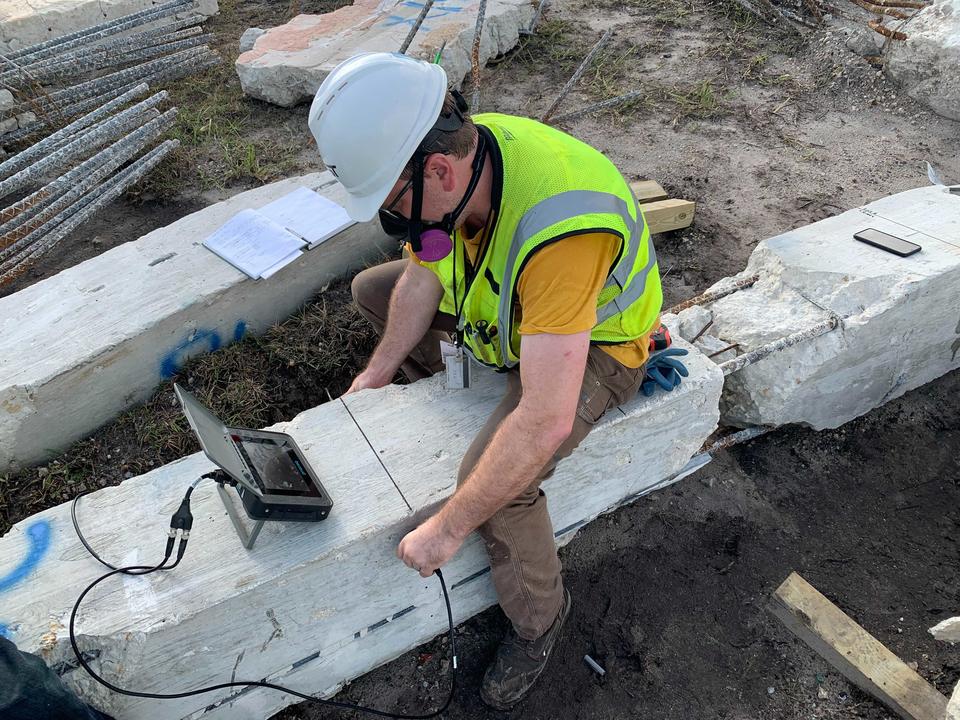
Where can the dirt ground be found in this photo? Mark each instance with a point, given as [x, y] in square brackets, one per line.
[767, 132]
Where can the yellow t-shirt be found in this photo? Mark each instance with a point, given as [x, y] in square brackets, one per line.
[557, 290]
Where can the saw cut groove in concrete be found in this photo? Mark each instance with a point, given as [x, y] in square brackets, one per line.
[288, 63]
[23, 24]
[93, 340]
[312, 605]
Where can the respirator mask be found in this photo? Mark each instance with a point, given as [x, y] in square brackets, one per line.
[432, 242]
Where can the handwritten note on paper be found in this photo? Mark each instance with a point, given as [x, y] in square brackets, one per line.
[308, 214]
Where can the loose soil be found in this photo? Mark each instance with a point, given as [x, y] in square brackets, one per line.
[766, 132]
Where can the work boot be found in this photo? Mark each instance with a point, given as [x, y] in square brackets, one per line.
[519, 663]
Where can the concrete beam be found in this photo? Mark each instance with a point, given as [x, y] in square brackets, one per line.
[97, 338]
[900, 320]
[28, 23]
[288, 63]
[312, 605]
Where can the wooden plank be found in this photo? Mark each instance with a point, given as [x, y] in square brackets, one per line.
[647, 191]
[862, 659]
[664, 215]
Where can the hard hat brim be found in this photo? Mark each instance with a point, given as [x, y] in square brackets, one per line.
[364, 208]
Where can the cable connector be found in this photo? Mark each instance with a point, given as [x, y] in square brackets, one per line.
[183, 519]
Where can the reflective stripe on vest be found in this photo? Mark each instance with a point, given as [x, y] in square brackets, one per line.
[563, 206]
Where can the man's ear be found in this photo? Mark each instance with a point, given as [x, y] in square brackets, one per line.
[439, 165]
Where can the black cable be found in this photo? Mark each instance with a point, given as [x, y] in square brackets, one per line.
[183, 518]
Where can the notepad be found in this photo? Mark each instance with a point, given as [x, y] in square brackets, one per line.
[261, 242]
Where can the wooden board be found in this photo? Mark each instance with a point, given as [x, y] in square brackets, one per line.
[647, 191]
[664, 215]
[854, 652]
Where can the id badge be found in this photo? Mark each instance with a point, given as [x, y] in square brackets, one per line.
[457, 366]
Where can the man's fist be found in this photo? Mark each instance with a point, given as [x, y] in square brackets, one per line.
[428, 547]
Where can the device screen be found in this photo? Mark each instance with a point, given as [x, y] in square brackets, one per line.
[276, 466]
[887, 242]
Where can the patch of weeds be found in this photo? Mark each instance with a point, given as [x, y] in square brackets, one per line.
[555, 48]
[755, 66]
[701, 101]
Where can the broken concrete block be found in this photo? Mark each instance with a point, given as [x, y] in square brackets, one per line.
[6, 100]
[693, 320]
[900, 320]
[712, 346]
[948, 630]
[953, 706]
[8, 125]
[127, 319]
[28, 23]
[290, 62]
[312, 605]
[925, 64]
[249, 38]
[24, 119]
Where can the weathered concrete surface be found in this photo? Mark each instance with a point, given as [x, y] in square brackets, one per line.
[900, 316]
[953, 707]
[307, 606]
[925, 65]
[288, 63]
[947, 630]
[95, 339]
[25, 23]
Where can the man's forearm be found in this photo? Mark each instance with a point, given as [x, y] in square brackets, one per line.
[413, 305]
[518, 451]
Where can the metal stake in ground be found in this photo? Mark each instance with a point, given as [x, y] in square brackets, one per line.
[602, 105]
[576, 75]
[416, 26]
[475, 61]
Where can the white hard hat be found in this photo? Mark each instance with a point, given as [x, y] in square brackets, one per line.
[369, 116]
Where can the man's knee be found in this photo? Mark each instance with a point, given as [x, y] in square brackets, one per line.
[361, 287]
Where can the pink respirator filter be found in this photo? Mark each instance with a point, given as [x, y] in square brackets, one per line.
[434, 245]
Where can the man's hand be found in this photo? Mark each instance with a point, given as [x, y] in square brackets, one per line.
[365, 381]
[428, 547]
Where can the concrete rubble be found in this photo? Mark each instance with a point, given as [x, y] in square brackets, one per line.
[948, 630]
[926, 63]
[168, 632]
[125, 320]
[28, 23]
[288, 63]
[900, 320]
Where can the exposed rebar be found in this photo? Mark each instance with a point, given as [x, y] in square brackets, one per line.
[26, 157]
[577, 74]
[740, 362]
[97, 32]
[736, 438]
[98, 199]
[536, 18]
[712, 295]
[31, 224]
[416, 26]
[602, 105]
[114, 127]
[475, 56]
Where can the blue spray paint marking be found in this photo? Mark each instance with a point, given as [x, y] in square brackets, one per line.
[38, 537]
[439, 10]
[171, 363]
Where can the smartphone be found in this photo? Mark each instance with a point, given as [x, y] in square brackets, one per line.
[887, 242]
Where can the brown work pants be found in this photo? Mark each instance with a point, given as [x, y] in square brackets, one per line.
[519, 537]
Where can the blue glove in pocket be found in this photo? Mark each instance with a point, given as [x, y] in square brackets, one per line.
[663, 370]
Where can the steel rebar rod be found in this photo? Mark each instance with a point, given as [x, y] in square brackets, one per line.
[18, 231]
[740, 362]
[101, 197]
[577, 74]
[26, 157]
[416, 26]
[736, 438]
[64, 114]
[117, 125]
[602, 105]
[712, 295]
[64, 69]
[475, 56]
[97, 32]
[543, 5]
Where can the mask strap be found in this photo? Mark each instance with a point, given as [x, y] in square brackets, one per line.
[477, 170]
[416, 223]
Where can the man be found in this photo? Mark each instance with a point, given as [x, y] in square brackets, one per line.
[528, 248]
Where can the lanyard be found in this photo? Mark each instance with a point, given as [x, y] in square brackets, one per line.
[469, 272]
